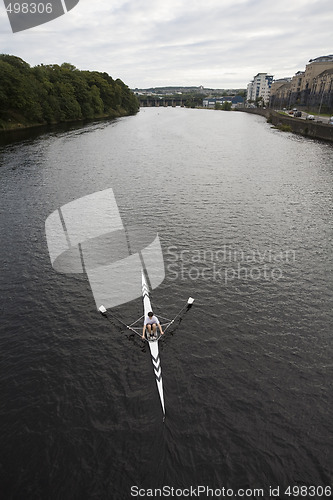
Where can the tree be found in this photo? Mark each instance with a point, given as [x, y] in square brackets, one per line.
[226, 106]
[53, 93]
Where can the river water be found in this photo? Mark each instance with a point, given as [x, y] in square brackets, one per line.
[244, 215]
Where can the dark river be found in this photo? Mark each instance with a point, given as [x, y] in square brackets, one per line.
[244, 216]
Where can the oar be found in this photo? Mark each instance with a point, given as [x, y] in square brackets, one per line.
[105, 313]
[188, 304]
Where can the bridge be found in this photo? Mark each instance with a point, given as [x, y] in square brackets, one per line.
[150, 101]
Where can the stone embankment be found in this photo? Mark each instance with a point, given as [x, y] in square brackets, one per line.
[307, 128]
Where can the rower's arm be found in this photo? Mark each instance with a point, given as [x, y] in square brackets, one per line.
[143, 331]
[159, 325]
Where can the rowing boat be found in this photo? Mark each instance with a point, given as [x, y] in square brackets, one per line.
[151, 339]
[153, 343]
[87, 236]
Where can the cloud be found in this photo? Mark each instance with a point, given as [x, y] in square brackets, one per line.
[218, 43]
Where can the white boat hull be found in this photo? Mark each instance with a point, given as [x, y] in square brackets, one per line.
[153, 344]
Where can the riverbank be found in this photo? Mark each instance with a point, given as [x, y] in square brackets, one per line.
[24, 131]
[306, 128]
[14, 122]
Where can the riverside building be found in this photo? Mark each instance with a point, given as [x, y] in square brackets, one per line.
[259, 88]
[312, 88]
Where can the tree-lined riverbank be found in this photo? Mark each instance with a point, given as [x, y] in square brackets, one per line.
[50, 94]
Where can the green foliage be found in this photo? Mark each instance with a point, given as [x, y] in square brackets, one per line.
[53, 93]
[226, 106]
[193, 100]
[284, 127]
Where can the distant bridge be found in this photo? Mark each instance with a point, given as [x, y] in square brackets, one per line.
[150, 101]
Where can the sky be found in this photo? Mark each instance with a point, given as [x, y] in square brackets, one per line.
[214, 43]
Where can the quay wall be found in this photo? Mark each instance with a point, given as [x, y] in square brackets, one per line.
[307, 128]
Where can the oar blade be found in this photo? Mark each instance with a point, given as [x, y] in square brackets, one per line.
[102, 310]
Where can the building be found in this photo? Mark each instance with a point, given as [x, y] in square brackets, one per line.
[259, 89]
[314, 68]
[211, 102]
[312, 71]
[296, 86]
[311, 88]
[280, 92]
[286, 92]
[322, 91]
[279, 83]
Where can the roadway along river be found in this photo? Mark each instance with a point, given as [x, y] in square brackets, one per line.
[244, 214]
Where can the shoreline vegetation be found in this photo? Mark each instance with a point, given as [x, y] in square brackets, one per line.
[54, 94]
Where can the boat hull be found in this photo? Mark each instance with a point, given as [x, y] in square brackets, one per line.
[153, 344]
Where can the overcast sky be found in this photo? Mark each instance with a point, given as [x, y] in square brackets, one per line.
[214, 43]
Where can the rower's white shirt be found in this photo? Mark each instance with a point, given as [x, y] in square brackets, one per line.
[150, 321]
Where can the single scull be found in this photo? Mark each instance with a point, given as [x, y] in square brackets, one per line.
[151, 339]
[153, 343]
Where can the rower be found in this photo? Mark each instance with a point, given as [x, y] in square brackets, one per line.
[150, 323]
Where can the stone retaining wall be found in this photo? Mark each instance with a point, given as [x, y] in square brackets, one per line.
[300, 126]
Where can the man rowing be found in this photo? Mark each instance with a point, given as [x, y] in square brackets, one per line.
[151, 323]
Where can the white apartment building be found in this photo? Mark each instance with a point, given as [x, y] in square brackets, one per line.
[260, 87]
